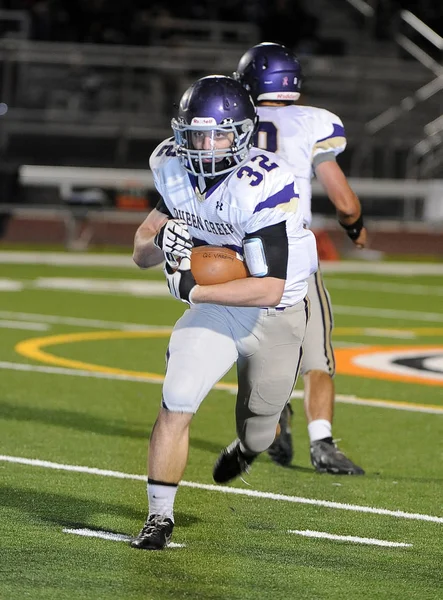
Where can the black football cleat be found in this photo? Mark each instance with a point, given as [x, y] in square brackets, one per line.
[327, 458]
[231, 463]
[155, 534]
[280, 450]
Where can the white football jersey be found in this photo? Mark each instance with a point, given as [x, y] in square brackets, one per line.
[260, 193]
[303, 136]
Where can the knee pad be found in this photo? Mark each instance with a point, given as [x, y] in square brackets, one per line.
[180, 396]
[258, 433]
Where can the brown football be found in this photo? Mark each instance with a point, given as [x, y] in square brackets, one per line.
[212, 264]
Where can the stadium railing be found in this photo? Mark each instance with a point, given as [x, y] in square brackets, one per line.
[415, 199]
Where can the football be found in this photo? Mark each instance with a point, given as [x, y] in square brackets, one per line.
[214, 264]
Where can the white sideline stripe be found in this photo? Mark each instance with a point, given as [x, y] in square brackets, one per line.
[349, 538]
[431, 410]
[394, 288]
[149, 289]
[107, 535]
[97, 323]
[344, 399]
[66, 258]
[389, 333]
[10, 285]
[388, 313]
[79, 322]
[132, 287]
[23, 325]
[405, 269]
[121, 260]
[341, 344]
[74, 372]
[399, 514]
[345, 310]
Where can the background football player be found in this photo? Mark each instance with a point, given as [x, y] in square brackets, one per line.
[309, 139]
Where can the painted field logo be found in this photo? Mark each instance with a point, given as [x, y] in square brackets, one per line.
[419, 364]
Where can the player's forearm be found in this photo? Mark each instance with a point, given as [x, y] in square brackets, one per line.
[339, 191]
[346, 202]
[251, 291]
[348, 208]
[145, 254]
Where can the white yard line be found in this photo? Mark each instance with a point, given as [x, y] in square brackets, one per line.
[108, 535]
[10, 366]
[389, 333]
[99, 324]
[388, 288]
[350, 399]
[401, 269]
[11, 285]
[231, 388]
[148, 289]
[104, 535]
[79, 322]
[388, 313]
[131, 287]
[66, 258]
[24, 325]
[398, 514]
[159, 289]
[341, 344]
[421, 408]
[349, 538]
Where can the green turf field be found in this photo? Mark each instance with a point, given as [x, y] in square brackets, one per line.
[81, 363]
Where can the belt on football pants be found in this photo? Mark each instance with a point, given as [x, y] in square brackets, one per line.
[272, 310]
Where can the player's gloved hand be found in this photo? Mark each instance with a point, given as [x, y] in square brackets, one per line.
[172, 261]
[181, 282]
[174, 239]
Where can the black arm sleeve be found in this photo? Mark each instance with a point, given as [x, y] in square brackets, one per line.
[275, 244]
[161, 207]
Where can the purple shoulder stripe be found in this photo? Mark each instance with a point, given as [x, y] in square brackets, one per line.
[284, 196]
[338, 131]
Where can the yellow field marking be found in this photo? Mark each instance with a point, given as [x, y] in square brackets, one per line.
[32, 348]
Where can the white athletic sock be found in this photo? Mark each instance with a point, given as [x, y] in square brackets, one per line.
[161, 499]
[319, 429]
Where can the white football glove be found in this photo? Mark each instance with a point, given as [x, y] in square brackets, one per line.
[172, 261]
[174, 239]
[181, 282]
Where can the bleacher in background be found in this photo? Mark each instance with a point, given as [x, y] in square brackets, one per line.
[108, 105]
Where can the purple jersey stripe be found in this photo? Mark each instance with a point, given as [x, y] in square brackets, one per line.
[284, 196]
[338, 131]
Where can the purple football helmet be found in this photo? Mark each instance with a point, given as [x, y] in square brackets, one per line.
[217, 108]
[270, 72]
